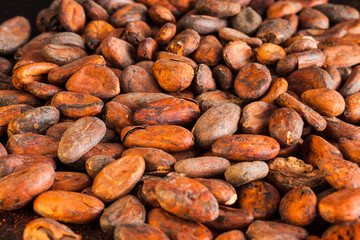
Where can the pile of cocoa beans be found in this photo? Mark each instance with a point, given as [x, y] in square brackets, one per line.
[183, 119]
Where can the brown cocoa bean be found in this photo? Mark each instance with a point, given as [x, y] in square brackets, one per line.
[118, 178]
[69, 207]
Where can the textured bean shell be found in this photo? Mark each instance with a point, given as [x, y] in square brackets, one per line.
[298, 206]
[246, 147]
[260, 229]
[60, 75]
[71, 181]
[10, 112]
[118, 178]
[36, 120]
[168, 111]
[13, 97]
[70, 207]
[12, 163]
[177, 228]
[140, 231]
[231, 218]
[173, 75]
[77, 105]
[187, 198]
[252, 81]
[231, 235]
[32, 144]
[316, 148]
[325, 101]
[43, 228]
[215, 123]
[340, 206]
[260, 197]
[136, 100]
[14, 32]
[244, 172]
[286, 126]
[223, 191]
[18, 189]
[137, 79]
[155, 159]
[96, 163]
[127, 209]
[340, 173]
[256, 117]
[96, 80]
[202, 166]
[288, 173]
[61, 54]
[79, 138]
[308, 78]
[170, 138]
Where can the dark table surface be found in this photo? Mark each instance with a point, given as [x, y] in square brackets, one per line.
[12, 223]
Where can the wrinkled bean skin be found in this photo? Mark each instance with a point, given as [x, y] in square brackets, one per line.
[32, 144]
[177, 228]
[244, 172]
[118, 178]
[36, 120]
[230, 218]
[286, 126]
[260, 197]
[298, 206]
[231, 235]
[76, 105]
[96, 163]
[340, 173]
[60, 75]
[202, 166]
[272, 230]
[223, 192]
[98, 81]
[340, 206]
[173, 111]
[70, 207]
[245, 147]
[19, 188]
[79, 138]
[210, 126]
[14, 32]
[170, 138]
[141, 231]
[127, 209]
[12, 163]
[288, 173]
[10, 112]
[47, 228]
[71, 181]
[199, 206]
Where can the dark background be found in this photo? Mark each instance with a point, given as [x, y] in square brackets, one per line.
[12, 223]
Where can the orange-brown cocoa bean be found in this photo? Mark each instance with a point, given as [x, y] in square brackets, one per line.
[71, 181]
[19, 188]
[298, 206]
[176, 227]
[118, 178]
[70, 207]
[79, 138]
[127, 209]
[170, 138]
[246, 147]
[260, 197]
[203, 206]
